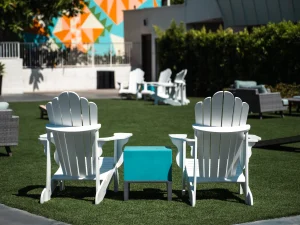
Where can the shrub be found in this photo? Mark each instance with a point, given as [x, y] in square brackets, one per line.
[269, 55]
[286, 90]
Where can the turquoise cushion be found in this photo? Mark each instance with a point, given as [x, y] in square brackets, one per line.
[151, 88]
[245, 84]
[3, 105]
[147, 163]
[261, 88]
[296, 96]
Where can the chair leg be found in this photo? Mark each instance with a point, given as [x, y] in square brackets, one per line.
[47, 192]
[101, 190]
[192, 194]
[248, 195]
[241, 191]
[116, 181]
[62, 185]
[8, 150]
[260, 116]
[184, 181]
[281, 114]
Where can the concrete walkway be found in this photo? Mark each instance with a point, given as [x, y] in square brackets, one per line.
[12, 216]
[47, 96]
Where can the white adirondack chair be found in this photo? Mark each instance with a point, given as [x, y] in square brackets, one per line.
[136, 79]
[180, 87]
[163, 82]
[221, 148]
[178, 91]
[73, 129]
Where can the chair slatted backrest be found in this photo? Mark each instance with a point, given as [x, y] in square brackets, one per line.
[75, 150]
[164, 77]
[132, 81]
[220, 154]
[139, 76]
[180, 76]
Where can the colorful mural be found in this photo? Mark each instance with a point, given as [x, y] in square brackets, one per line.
[101, 22]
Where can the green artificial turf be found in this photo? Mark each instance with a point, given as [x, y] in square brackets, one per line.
[274, 173]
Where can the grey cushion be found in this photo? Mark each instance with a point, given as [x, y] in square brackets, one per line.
[285, 102]
[3, 105]
[244, 84]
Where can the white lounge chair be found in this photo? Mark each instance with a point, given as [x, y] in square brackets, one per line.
[221, 148]
[136, 79]
[73, 129]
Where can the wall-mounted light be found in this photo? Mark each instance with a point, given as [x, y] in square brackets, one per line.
[145, 22]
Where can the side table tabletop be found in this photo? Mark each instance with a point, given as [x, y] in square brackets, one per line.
[143, 164]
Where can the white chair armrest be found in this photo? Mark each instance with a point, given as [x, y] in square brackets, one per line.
[234, 129]
[180, 140]
[59, 128]
[120, 139]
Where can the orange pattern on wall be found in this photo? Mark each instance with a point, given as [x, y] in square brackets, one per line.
[84, 28]
[114, 8]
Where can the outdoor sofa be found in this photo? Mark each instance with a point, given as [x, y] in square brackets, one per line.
[259, 98]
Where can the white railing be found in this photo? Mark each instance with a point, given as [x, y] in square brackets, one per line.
[67, 55]
[9, 50]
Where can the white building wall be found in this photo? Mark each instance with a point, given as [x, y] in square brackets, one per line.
[60, 79]
[12, 81]
[17, 80]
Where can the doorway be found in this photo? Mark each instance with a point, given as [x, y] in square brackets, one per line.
[147, 56]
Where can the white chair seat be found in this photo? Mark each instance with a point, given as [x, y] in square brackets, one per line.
[189, 165]
[106, 168]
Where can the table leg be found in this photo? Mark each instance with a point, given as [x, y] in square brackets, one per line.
[169, 188]
[126, 190]
[290, 107]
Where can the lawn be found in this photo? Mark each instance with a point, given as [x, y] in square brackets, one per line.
[274, 173]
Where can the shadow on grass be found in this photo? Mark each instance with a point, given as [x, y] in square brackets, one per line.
[264, 116]
[220, 194]
[146, 193]
[3, 155]
[281, 148]
[157, 194]
[88, 194]
[81, 193]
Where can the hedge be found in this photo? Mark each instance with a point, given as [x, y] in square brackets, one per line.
[270, 55]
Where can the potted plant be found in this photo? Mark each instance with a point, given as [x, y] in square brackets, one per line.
[2, 67]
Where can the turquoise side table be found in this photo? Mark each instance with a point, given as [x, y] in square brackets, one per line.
[143, 164]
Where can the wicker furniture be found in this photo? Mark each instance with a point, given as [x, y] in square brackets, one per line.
[260, 102]
[293, 101]
[9, 130]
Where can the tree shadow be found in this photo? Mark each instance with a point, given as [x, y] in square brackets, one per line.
[36, 77]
